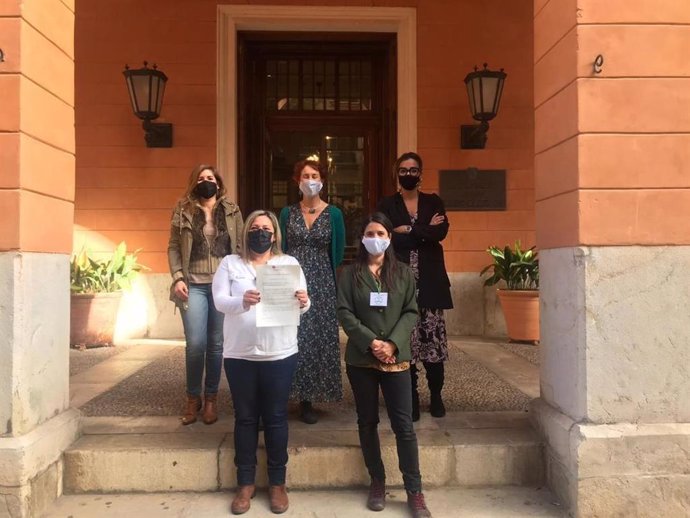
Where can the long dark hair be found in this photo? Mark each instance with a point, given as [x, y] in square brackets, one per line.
[391, 267]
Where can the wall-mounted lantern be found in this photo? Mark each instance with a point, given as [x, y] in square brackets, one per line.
[484, 89]
[146, 88]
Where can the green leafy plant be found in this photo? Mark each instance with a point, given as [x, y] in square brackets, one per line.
[517, 267]
[89, 275]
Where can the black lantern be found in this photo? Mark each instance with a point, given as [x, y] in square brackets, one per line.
[484, 89]
[146, 88]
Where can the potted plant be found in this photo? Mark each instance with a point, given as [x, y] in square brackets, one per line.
[96, 289]
[519, 269]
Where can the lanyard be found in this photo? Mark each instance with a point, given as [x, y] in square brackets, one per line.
[378, 284]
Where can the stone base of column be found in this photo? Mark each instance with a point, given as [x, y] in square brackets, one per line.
[31, 466]
[622, 469]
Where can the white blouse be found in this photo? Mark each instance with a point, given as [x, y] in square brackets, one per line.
[241, 338]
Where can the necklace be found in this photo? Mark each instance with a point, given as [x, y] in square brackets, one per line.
[309, 210]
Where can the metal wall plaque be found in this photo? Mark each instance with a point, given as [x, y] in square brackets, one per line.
[473, 189]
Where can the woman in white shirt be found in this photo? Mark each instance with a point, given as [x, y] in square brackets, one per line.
[259, 361]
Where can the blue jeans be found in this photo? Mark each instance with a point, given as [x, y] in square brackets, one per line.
[260, 389]
[396, 389]
[203, 331]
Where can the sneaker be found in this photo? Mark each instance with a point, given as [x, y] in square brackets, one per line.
[377, 495]
[415, 501]
[307, 413]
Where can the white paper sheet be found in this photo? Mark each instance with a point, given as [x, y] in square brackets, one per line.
[277, 285]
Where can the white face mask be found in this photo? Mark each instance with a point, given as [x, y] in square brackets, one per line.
[376, 245]
[310, 188]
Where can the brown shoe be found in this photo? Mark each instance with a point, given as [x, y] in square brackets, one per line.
[243, 499]
[417, 505]
[193, 407]
[210, 414]
[278, 497]
[377, 495]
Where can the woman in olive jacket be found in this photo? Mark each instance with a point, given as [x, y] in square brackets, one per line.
[204, 228]
[419, 225]
[377, 309]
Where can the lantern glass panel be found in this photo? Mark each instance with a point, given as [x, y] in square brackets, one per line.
[142, 88]
[160, 90]
[132, 98]
[489, 94]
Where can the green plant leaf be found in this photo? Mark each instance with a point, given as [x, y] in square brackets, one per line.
[518, 268]
[90, 275]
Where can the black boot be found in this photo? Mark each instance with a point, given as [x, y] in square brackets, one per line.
[415, 394]
[435, 376]
[307, 413]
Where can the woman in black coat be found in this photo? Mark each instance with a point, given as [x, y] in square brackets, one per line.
[420, 224]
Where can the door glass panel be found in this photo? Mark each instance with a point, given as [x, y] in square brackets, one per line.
[286, 148]
[318, 85]
[345, 156]
[346, 174]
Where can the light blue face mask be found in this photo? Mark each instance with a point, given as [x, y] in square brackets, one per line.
[376, 245]
[310, 188]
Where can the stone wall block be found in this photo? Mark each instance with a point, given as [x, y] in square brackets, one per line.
[633, 450]
[637, 334]
[644, 496]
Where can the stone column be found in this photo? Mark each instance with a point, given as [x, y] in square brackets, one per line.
[36, 203]
[613, 212]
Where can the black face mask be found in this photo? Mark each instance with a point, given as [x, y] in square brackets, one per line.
[408, 182]
[206, 189]
[259, 240]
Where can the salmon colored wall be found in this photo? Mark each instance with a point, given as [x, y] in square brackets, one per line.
[613, 149]
[36, 158]
[126, 191]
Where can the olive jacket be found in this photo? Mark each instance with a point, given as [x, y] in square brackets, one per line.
[180, 242]
[363, 323]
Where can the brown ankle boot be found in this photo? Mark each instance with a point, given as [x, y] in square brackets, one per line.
[243, 499]
[193, 407]
[278, 498]
[210, 414]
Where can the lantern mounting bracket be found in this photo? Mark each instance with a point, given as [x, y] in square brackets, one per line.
[158, 134]
[473, 136]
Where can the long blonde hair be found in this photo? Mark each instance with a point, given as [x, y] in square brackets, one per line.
[275, 247]
[189, 199]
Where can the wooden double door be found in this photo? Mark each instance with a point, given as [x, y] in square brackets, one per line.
[324, 97]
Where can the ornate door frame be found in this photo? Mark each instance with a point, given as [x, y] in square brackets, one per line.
[232, 18]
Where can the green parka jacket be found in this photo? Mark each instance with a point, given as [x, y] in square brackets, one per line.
[180, 242]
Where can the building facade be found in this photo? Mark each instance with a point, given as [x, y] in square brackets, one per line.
[596, 162]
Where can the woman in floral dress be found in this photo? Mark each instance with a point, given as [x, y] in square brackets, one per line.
[420, 224]
[314, 233]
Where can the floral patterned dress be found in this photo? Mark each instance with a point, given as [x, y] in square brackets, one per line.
[318, 376]
[428, 342]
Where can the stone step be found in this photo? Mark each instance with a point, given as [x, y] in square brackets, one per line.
[444, 502]
[146, 455]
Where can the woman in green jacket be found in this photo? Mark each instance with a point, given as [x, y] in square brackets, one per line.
[378, 310]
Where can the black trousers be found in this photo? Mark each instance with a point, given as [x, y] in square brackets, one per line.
[396, 389]
[435, 375]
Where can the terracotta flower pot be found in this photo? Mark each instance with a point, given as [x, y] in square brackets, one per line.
[521, 311]
[93, 318]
